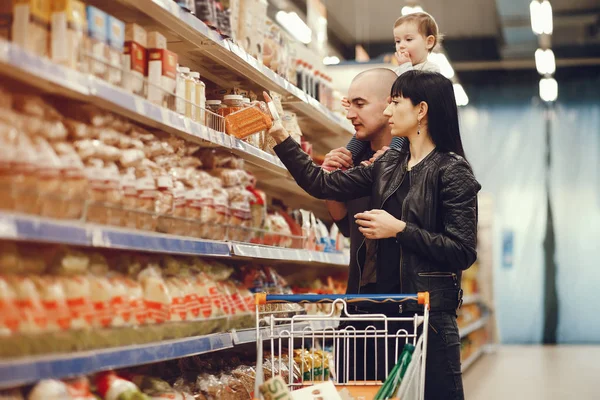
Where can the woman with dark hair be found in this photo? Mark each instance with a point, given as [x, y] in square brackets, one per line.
[421, 232]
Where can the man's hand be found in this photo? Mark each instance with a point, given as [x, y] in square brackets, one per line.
[379, 224]
[403, 57]
[337, 158]
[375, 156]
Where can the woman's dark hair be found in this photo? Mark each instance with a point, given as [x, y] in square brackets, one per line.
[437, 91]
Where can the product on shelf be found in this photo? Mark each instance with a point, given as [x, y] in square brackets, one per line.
[135, 58]
[96, 49]
[162, 74]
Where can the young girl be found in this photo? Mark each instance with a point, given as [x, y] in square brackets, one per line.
[415, 36]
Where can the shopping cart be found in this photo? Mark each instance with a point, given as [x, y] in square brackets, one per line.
[295, 342]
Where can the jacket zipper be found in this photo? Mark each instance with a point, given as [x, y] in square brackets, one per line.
[401, 217]
[437, 274]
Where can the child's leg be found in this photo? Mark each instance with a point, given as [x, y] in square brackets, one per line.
[398, 143]
[356, 147]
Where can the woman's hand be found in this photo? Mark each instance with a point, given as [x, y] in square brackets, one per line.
[379, 224]
[379, 153]
[278, 132]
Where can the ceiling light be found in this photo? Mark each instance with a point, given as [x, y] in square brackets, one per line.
[548, 89]
[545, 62]
[461, 96]
[441, 61]
[333, 60]
[411, 9]
[541, 17]
[295, 26]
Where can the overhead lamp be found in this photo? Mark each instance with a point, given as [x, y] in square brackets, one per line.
[545, 61]
[411, 9]
[461, 96]
[332, 60]
[548, 89]
[442, 62]
[295, 26]
[541, 17]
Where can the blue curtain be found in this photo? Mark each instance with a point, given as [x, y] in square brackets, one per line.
[504, 138]
[504, 133]
[575, 197]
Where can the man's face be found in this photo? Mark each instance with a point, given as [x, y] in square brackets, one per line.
[366, 110]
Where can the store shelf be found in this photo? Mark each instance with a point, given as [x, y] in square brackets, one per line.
[472, 299]
[283, 254]
[22, 227]
[39, 229]
[19, 372]
[480, 323]
[471, 360]
[227, 64]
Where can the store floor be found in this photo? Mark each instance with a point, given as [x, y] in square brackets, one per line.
[535, 372]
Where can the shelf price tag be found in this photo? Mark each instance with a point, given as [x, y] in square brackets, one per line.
[8, 228]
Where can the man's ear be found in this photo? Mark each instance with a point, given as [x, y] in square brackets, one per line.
[430, 42]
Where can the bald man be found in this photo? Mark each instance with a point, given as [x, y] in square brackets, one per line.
[368, 96]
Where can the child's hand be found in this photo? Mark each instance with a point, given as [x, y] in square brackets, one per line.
[346, 103]
[403, 57]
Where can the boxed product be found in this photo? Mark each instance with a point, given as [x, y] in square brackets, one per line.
[31, 25]
[251, 34]
[96, 49]
[116, 44]
[135, 58]
[68, 27]
[162, 76]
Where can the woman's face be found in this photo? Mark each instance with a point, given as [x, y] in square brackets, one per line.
[403, 116]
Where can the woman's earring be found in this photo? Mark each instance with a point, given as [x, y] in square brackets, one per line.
[419, 130]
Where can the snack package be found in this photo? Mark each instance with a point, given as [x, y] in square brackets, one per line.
[30, 26]
[116, 43]
[96, 49]
[135, 59]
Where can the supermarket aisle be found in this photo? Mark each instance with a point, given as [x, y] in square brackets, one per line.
[535, 372]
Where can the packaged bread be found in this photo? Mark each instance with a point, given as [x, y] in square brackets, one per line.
[177, 310]
[49, 184]
[129, 200]
[79, 130]
[9, 313]
[126, 142]
[32, 259]
[164, 202]
[53, 300]
[258, 208]
[92, 148]
[222, 213]
[35, 106]
[78, 297]
[6, 98]
[147, 195]
[214, 158]
[231, 177]
[239, 221]
[177, 225]
[68, 262]
[105, 194]
[101, 293]
[131, 158]
[279, 231]
[200, 206]
[119, 303]
[33, 318]
[74, 182]
[157, 298]
[135, 299]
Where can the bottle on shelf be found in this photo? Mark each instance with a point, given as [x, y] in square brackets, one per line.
[316, 86]
[180, 89]
[308, 80]
[190, 95]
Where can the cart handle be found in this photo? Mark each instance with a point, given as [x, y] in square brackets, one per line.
[263, 298]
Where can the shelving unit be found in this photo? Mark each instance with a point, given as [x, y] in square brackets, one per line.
[38, 229]
[225, 63]
[480, 323]
[471, 360]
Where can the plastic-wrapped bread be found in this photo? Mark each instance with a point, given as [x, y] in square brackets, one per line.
[156, 295]
[147, 193]
[74, 182]
[246, 122]
[214, 158]
[219, 230]
[77, 291]
[33, 318]
[200, 206]
[53, 299]
[50, 184]
[130, 198]
[9, 313]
